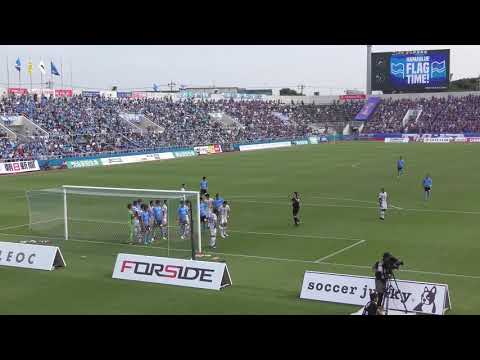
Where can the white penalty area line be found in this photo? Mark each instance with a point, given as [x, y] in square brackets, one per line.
[298, 235]
[396, 207]
[339, 251]
[33, 223]
[323, 197]
[367, 207]
[306, 236]
[247, 256]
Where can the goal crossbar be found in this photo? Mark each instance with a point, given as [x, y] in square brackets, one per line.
[128, 189]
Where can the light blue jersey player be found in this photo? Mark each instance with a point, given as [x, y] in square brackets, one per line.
[400, 166]
[203, 213]
[427, 186]
[217, 202]
[182, 214]
[145, 219]
[150, 211]
[203, 186]
[158, 216]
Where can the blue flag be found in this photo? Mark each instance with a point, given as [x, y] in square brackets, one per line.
[18, 65]
[155, 87]
[53, 69]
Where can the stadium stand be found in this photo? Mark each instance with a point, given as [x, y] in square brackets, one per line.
[85, 125]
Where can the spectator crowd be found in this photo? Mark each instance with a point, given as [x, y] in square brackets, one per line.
[83, 125]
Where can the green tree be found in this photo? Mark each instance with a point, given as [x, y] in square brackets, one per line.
[466, 84]
[288, 92]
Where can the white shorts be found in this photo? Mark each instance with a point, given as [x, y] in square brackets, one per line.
[164, 221]
[213, 232]
[223, 220]
[136, 230]
[383, 207]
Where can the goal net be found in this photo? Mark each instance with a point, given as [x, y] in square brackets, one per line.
[100, 214]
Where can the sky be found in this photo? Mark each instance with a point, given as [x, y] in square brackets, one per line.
[327, 69]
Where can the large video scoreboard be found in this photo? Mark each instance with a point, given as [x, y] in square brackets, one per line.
[411, 71]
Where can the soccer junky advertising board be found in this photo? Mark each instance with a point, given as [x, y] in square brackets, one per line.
[418, 297]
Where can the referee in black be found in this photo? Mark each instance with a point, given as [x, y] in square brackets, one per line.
[296, 208]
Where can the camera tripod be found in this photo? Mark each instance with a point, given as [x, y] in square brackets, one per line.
[390, 285]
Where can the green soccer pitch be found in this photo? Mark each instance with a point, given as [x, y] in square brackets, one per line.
[266, 255]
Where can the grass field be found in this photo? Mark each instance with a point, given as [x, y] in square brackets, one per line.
[265, 253]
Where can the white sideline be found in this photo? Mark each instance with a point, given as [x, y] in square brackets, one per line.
[251, 256]
[339, 251]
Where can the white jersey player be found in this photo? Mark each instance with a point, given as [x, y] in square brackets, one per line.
[209, 202]
[187, 224]
[182, 189]
[212, 225]
[164, 220]
[382, 202]
[137, 229]
[224, 212]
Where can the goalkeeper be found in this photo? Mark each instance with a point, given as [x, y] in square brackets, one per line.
[131, 223]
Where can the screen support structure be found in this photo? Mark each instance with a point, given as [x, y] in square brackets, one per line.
[369, 70]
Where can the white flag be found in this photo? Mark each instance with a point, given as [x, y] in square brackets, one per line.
[41, 66]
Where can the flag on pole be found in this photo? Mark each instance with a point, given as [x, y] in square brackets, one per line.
[41, 66]
[30, 67]
[18, 65]
[53, 69]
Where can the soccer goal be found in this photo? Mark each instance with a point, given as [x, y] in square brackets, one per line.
[100, 214]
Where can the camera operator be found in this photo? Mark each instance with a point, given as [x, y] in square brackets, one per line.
[380, 278]
[373, 306]
[384, 271]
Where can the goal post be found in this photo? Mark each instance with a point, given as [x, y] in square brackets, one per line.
[65, 212]
[100, 214]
